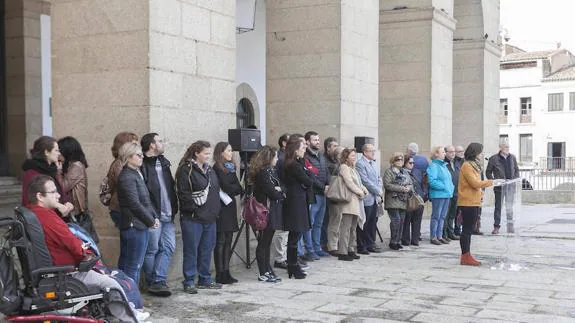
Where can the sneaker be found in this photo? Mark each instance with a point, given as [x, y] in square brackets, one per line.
[281, 265]
[435, 241]
[190, 289]
[302, 264]
[322, 253]
[443, 241]
[276, 277]
[159, 289]
[211, 285]
[314, 256]
[308, 257]
[141, 314]
[267, 278]
[353, 255]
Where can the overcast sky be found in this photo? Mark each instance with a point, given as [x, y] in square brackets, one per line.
[539, 24]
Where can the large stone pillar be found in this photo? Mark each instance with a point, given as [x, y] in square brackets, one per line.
[24, 77]
[322, 68]
[476, 58]
[163, 66]
[416, 66]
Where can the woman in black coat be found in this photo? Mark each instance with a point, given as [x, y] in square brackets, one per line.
[227, 222]
[296, 212]
[268, 191]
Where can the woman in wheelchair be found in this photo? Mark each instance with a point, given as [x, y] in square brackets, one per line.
[62, 249]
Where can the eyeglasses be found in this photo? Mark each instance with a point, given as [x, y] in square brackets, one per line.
[139, 155]
[398, 159]
[410, 163]
[459, 151]
[51, 192]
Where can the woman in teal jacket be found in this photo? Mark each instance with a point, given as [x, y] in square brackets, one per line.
[440, 193]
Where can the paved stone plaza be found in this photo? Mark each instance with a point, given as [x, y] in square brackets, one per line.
[528, 278]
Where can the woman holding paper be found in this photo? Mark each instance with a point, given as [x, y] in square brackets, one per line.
[227, 222]
[469, 198]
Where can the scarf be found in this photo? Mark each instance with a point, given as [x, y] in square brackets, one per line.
[231, 167]
[476, 164]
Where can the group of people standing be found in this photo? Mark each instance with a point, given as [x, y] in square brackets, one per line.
[292, 181]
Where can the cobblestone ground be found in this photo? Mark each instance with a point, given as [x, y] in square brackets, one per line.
[524, 278]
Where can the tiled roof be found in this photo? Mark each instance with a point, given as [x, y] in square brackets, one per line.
[566, 74]
[527, 56]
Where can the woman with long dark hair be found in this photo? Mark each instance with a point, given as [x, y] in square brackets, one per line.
[73, 173]
[296, 211]
[44, 160]
[469, 198]
[198, 190]
[268, 190]
[227, 222]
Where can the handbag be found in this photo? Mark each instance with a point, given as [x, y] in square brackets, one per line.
[338, 191]
[255, 213]
[414, 202]
[84, 220]
[105, 193]
[199, 197]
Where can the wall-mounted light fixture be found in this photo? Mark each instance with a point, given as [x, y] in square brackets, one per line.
[245, 15]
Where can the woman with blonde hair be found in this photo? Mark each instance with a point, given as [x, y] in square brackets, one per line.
[108, 189]
[351, 215]
[137, 213]
[398, 185]
[440, 193]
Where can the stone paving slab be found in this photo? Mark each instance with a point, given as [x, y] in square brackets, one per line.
[424, 284]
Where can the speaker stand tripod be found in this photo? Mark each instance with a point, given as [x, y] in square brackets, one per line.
[247, 261]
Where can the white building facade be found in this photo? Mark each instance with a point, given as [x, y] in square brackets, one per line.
[537, 107]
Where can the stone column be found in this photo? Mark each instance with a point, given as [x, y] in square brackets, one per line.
[321, 68]
[24, 78]
[164, 66]
[476, 58]
[416, 66]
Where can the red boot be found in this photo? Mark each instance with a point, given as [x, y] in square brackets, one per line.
[468, 260]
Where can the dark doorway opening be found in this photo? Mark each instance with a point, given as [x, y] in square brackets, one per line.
[3, 111]
[556, 155]
[244, 114]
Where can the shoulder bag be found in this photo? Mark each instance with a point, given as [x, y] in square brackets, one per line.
[338, 191]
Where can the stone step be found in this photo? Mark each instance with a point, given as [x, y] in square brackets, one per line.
[10, 190]
[10, 200]
[8, 181]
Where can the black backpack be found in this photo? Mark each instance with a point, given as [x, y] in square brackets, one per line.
[10, 299]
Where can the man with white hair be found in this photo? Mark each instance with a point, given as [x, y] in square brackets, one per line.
[503, 165]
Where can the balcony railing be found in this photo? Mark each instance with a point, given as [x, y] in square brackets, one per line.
[525, 118]
[552, 173]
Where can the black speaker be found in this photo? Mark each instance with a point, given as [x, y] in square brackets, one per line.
[360, 141]
[244, 139]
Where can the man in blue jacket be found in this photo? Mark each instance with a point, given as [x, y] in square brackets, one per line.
[371, 179]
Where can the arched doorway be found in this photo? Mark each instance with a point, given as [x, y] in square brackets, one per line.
[244, 114]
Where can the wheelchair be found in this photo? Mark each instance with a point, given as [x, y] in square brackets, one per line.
[40, 291]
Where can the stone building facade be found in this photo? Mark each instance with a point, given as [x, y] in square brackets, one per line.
[395, 70]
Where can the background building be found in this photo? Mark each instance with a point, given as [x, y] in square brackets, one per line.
[396, 70]
[537, 107]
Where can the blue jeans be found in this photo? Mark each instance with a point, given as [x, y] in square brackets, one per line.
[133, 244]
[161, 247]
[439, 208]
[312, 238]
[199, 240]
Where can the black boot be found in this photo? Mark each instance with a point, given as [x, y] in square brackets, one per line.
[231, 280]
[221, 278]
[296, 272]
